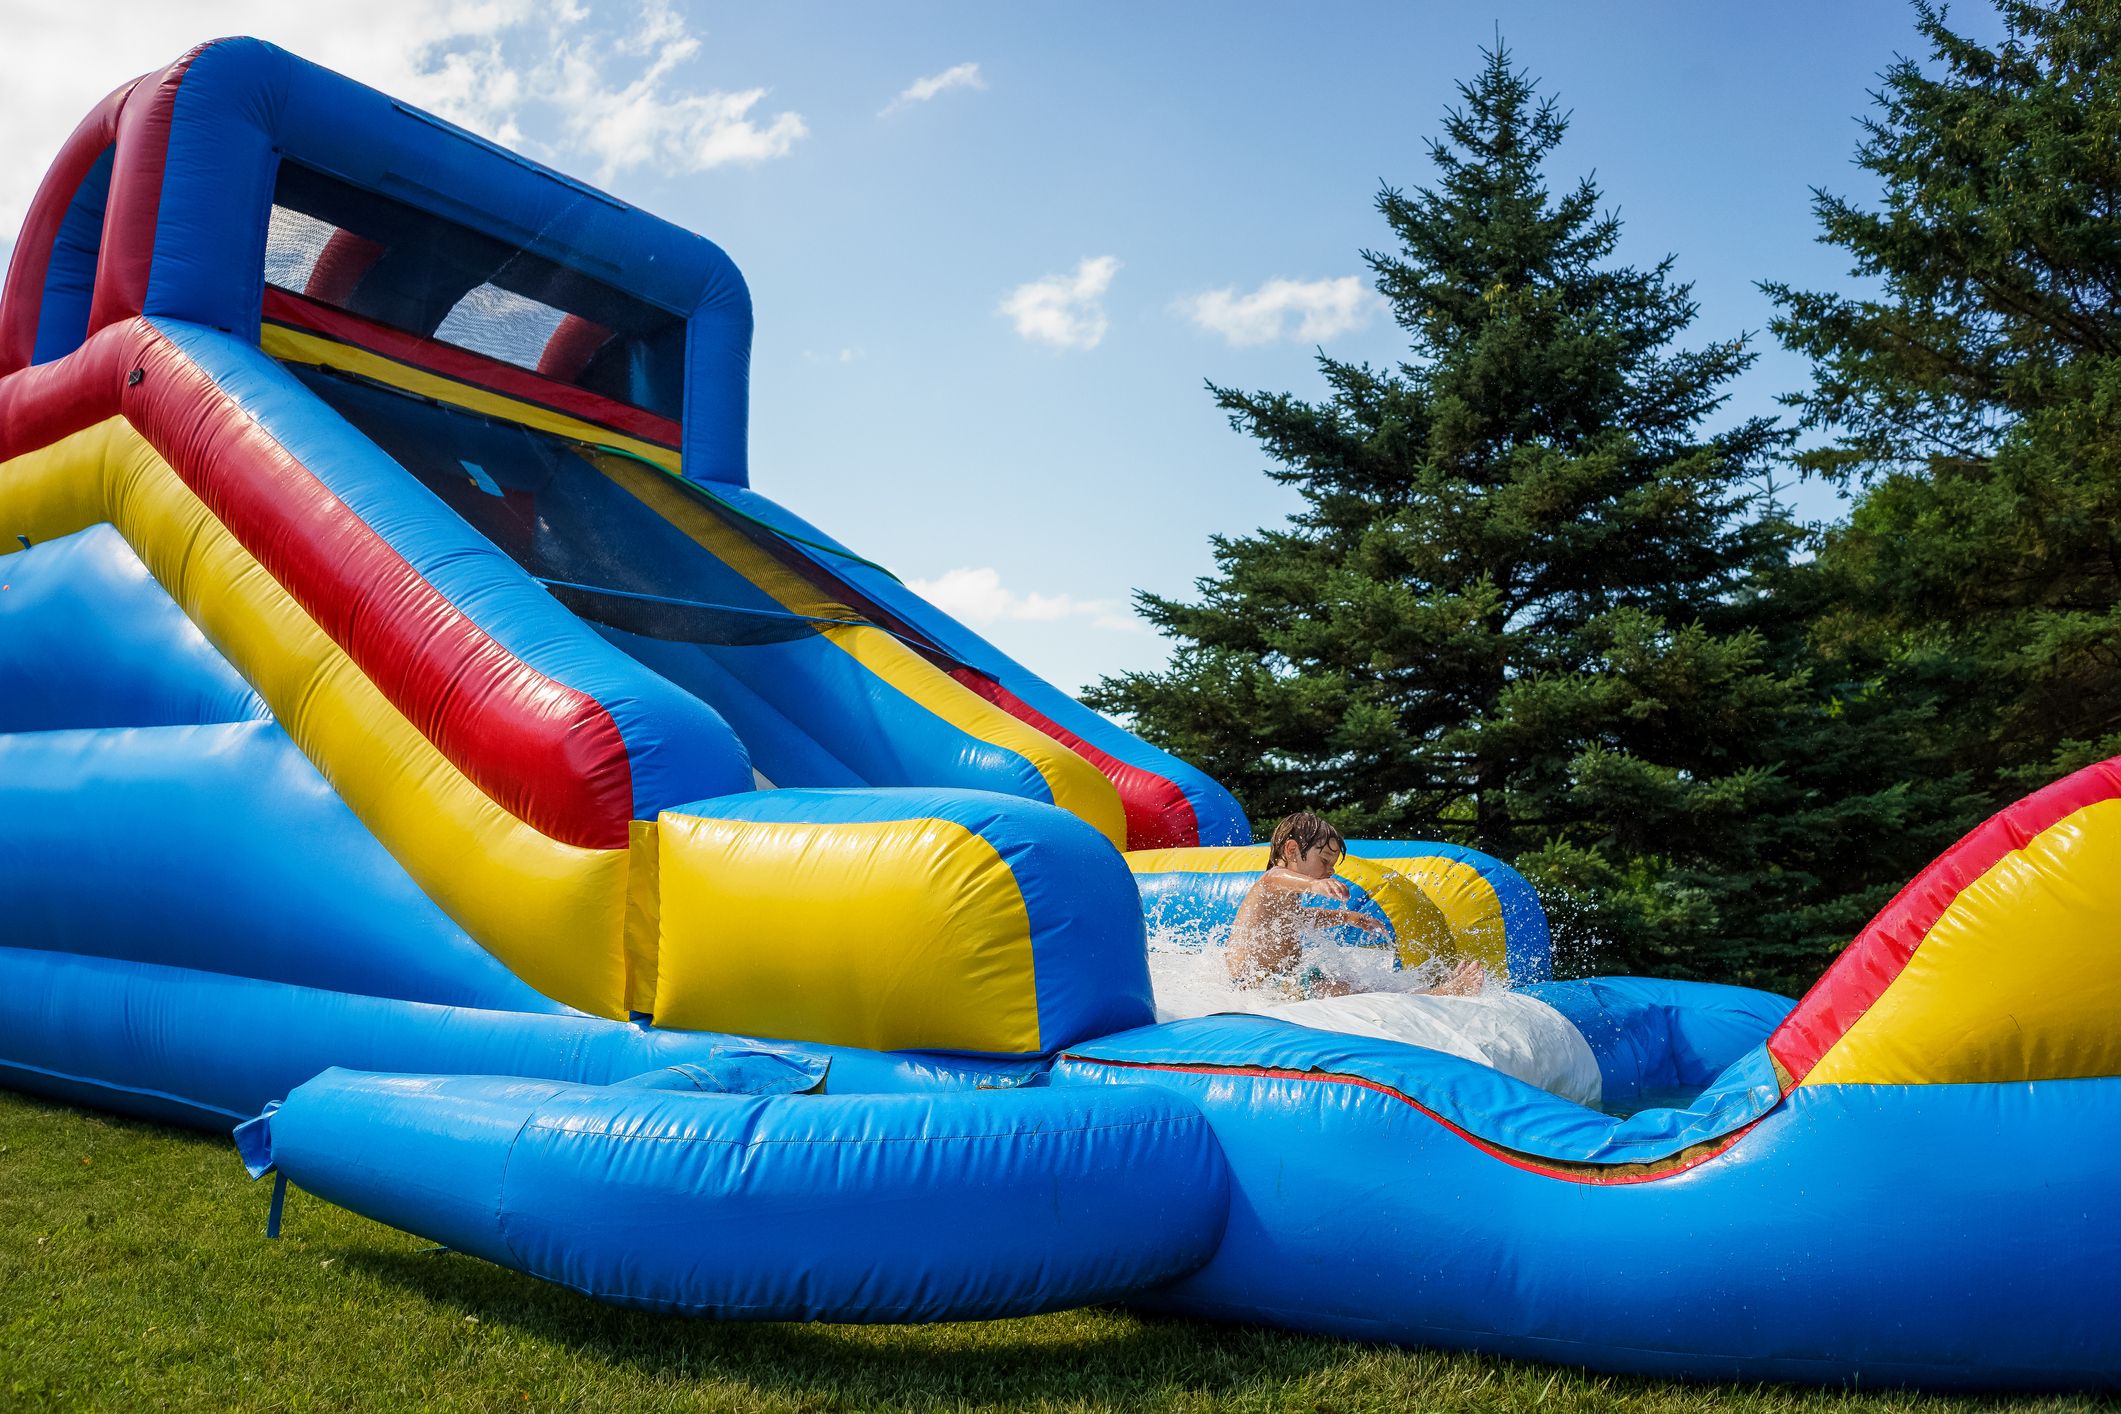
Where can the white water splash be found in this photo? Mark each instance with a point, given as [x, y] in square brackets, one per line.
[1507, 1031]
[1190, 976]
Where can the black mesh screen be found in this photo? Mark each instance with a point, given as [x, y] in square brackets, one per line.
[683, 620]
[595, 546]
[418, 273]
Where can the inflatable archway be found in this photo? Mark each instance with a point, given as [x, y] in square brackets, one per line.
[421, 748]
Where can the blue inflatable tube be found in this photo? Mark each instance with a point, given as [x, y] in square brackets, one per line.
[1859, 1233]
[125, 1036]
[911, 1207]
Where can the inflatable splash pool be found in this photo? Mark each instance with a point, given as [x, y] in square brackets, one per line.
[423, 753]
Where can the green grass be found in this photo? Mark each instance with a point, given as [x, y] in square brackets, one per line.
[134, 1273]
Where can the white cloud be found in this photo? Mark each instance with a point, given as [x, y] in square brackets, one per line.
[1064, 310]
[921, 90]
[643, 121]
[1307, 310]
[550, 75]
[979, 597]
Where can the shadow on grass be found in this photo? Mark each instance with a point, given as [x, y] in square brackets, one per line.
[1099, 1357]
[1098, 1353]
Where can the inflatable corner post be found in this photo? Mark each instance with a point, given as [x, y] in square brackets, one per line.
[423, 752]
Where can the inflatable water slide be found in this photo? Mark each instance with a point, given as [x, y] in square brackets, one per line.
[424, 754]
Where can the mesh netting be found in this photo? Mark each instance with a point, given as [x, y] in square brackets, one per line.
[409, 269]
[501, 324]
[293, 245]
[598, 548]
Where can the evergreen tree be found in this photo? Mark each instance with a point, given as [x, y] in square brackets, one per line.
[1974, 400]
[1529, 603]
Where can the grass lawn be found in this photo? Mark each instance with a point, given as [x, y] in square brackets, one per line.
[134, 1273]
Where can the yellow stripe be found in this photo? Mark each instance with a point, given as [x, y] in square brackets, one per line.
[1419, 927]
[1470, 905]
[2019, 979]
[895, 935]
[314, 350]
[552, 912]
[644, 914]
[1203, 859]
[1074, 783]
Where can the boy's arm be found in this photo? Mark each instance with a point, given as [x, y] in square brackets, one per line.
[1349, 915]
[1281, 879]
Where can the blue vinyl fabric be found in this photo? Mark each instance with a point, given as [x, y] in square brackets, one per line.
[245, 105]
[1527, 945]
[1881, 1235]
[781, 731]
[219, 847]
[70, 278]
[734, 1069]
[207, 1050]
[677, 748]
[1220, 820]
[906, 1207]
[1088, 952]
[88, 639]
[1653, 1036]
[810, 714]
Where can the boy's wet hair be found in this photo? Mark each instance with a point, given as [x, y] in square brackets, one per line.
[1306, 831]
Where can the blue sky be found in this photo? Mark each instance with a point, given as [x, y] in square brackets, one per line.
[986, 304]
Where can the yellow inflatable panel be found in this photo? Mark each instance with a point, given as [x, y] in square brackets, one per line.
[890, 935]
[1203, 859]
[1469, 903]
[553, 912]
[2019, 978]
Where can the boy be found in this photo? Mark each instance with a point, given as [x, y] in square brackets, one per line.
[1266, 942]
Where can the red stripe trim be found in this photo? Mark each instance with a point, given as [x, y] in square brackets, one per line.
[40, 405]
[489, 374]
[548, 753]
[1158, 814]
[1878, 955]
[23, 303]
[1530, 1164]
[127, 255]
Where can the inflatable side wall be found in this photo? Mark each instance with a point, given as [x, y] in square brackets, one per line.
[1897, 1180]
[741, 1197]
[419, 743]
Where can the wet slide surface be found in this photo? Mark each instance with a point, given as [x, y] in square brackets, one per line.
[717, 603]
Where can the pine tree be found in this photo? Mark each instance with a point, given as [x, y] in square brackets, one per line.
[1974, 401]
[1528, 603]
